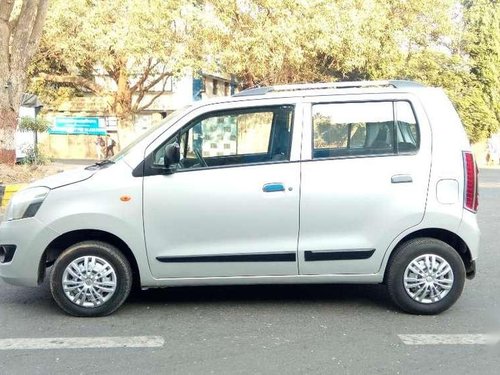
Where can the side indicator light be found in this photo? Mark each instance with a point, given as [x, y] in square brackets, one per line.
[125, 198]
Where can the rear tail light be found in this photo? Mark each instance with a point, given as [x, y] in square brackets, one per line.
[471, 194]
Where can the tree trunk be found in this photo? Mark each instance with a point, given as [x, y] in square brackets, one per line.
[20, 34]
[123, 99]
[7, 136]
[124, 114]
[123, 106]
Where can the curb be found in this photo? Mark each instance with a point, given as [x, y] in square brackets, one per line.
[7, 191]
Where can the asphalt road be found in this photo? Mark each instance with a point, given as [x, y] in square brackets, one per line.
[268, 329]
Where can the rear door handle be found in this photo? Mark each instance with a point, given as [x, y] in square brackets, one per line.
[273, 187]
[401, 179]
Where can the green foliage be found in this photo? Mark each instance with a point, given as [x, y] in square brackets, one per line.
[476, 114]
[482, 45]
[436, 42]
[85, 34]
[319, 40]
[35, 157]
[37, 124]
[118, 47]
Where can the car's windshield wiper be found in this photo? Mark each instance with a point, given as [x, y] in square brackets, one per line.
[100, 164]
[105, 161]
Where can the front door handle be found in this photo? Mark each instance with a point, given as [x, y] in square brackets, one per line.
[401, 179]
[273, 187]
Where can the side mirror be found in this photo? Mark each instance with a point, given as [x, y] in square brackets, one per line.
[172, 156]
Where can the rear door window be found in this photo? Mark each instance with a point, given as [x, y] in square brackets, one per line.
[363, 129]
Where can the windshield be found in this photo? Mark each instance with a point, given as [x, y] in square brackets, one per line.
[149, 131]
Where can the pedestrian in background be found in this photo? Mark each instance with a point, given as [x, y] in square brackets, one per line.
[110, 145]
[99, 147]
[492, 157]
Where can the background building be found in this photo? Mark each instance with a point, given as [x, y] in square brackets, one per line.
[76, 122]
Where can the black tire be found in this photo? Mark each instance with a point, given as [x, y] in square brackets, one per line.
[104, 251]
[410, 251]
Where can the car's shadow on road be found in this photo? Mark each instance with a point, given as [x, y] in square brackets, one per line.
[369, 295]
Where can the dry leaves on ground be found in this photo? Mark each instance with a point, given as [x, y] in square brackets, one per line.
[24, 173]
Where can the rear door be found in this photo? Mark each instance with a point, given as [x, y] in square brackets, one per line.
[364, 180]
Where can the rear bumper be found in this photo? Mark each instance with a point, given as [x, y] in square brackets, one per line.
[470, 233]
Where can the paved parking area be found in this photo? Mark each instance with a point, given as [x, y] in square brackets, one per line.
[342, 329]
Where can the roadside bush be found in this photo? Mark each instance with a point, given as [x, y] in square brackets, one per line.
[35, 157]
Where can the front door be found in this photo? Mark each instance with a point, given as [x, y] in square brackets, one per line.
[231, 208]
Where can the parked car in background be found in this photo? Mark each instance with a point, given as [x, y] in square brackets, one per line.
[352, 182]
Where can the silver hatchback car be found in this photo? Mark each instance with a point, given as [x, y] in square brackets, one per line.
[352, 182]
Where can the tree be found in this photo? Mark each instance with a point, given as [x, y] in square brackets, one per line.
[264, 42]
[118, 49]
[121, 49]
[436, 42]
[21, 24]
[482, 47]
[322, 40]
[467, 66]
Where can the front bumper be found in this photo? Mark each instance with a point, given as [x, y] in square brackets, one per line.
[31, 237]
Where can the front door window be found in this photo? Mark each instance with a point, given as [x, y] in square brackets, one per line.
[235, 137]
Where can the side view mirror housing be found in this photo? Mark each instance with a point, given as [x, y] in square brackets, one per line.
[172, 156]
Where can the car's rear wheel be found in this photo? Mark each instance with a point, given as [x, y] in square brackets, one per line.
[425, 276]
[91, 278]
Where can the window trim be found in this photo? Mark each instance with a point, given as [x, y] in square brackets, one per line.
[395, 151]
[417, 124]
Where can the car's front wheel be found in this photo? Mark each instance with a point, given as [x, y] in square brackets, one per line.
[425, 276]
[91, 278]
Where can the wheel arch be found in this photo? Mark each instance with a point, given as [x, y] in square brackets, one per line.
[61, 243]
[448, 237]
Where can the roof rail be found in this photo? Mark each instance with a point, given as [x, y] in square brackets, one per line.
[331, 85]
[402, 83]
[255, 91]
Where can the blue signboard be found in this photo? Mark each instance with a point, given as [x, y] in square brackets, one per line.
[198, 88]
[78, 125]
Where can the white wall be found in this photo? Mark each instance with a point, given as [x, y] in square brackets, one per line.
[25, 139]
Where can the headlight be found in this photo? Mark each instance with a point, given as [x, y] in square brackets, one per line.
[26, 203]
